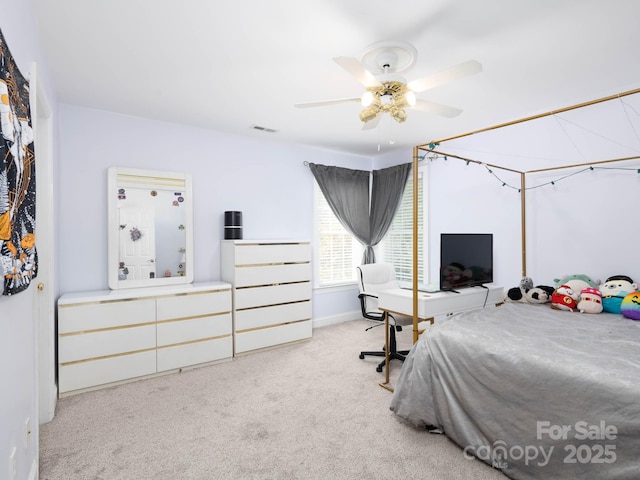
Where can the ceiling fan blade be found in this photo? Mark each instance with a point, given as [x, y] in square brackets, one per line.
[442, 110]
[448, 75]
[373, 123]
[357, 70]
[324, 103]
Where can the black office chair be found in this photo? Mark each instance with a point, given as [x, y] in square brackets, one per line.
[373, 278]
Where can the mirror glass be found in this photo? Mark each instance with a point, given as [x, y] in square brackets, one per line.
[150, 228]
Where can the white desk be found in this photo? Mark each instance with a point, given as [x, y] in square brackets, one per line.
[430, 305]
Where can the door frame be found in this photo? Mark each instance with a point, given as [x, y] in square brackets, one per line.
[44, 308]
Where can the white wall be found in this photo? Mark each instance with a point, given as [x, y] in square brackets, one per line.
[266, 180]
[468, 199]
[18, 353]
[584, 224]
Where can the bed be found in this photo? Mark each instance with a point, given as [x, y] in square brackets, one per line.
[532, 391]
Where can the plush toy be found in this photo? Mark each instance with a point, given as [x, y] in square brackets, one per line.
[577, 282]
[527, 293]
[590, 300]
[564, 298]
[539, 294]
[526, 283]
[515, 294]
[630, 306]
[614, 290]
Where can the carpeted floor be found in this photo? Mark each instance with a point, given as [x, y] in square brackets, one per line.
[311, 410]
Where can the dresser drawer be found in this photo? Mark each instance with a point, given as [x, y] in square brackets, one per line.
[93, 373]
[251, 297]
[74, 347]
[106, 314]
[267, 337]
[193, 305]
[180, 331]
[267, 316]
[272, 274]
[179, 356]
[265, 253]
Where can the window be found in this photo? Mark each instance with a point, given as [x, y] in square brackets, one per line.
[398, 243]
[337, 252]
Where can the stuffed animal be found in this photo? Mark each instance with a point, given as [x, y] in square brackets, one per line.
[576, 282]
[515, 294]
[564, 298]
[590, 300]
[527, 293]
[539, 294]
[630, 306]
[614, 290]
[526, 283]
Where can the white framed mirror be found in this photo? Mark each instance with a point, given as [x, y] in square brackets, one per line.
[150, 228]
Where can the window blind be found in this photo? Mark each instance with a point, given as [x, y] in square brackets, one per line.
[336, 246]
[398, 243]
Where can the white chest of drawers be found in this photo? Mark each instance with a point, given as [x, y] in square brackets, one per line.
[113, 336]
[271, 282]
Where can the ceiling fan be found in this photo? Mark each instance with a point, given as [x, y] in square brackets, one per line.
[386, 91]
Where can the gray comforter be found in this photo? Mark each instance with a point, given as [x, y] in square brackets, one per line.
[535, 392]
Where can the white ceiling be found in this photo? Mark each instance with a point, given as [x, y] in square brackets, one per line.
[229, 65]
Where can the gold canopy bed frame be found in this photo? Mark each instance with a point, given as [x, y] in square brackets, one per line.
[430, 148]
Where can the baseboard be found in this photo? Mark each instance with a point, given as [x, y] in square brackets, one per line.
[335, 319]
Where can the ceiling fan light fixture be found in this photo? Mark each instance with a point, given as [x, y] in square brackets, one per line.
[410, 98]
[387, 91]
[387, 99]
[391, 97]
[398, 114]
[368, 114]
[367, 98]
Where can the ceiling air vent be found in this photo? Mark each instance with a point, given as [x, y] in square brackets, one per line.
[263, 129]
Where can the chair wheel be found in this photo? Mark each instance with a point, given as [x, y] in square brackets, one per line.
[361, 356]
[378, 369]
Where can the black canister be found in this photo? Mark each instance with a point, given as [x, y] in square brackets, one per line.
[233, 225]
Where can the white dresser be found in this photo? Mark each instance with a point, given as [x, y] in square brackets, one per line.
[271, 282]
[118, 335]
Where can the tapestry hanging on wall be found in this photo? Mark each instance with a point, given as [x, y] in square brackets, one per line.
[18, 257]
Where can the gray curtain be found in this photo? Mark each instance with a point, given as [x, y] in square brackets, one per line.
[364, 206]
[386, 193]
[347, 193]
